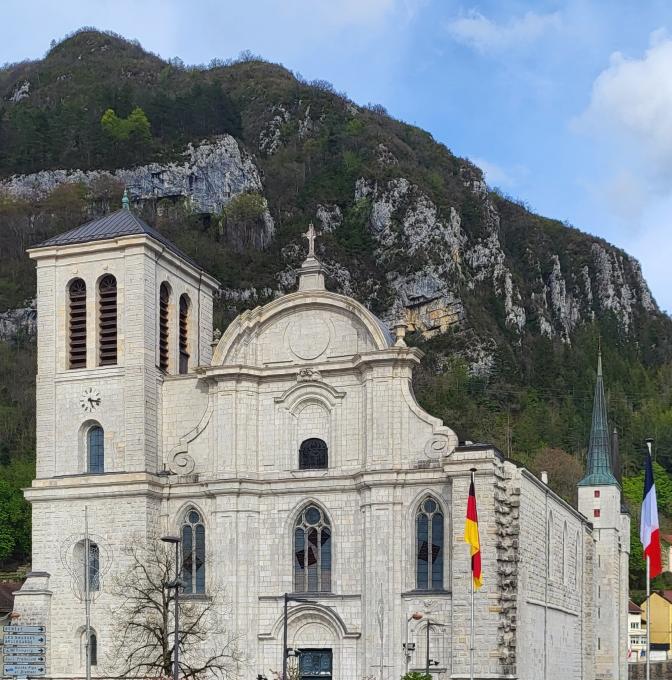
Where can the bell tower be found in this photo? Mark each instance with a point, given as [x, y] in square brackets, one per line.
[119, 309]
[599, 495]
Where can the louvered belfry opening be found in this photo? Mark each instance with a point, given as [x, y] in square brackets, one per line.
[77, 324]
[164, 301]
[107, 321]
[184, 334]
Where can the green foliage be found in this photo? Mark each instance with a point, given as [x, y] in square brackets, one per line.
[135, 128]
[415, 675]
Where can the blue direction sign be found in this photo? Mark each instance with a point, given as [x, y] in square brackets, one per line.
[30, 640]
[24, 629]
[24, 669]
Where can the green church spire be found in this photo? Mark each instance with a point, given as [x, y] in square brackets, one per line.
[598, 469]
[125, 203]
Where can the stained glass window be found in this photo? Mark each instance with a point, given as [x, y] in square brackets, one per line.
[193, 553]
[429, 546]
[312, 552]
[315, 663]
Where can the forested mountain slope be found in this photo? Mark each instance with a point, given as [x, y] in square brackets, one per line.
[233, 160]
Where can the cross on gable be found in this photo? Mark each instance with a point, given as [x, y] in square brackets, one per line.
[311, 235]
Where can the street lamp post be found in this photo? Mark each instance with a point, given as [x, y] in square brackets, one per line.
[288, 598]
[415, 616]
[175, 584]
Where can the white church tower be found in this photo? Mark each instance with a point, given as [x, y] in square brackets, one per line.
[119, 308]
[600, 501]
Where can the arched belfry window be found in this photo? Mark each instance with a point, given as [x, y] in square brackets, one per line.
[95, 450]
[164, 304]
[313, 455]
[312, 552]
[429, 546]
[185, 305]
[193, 553]
[107, 321]
[77, 324]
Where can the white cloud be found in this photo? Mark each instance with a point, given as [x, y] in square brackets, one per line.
[631, 108]
[487, 36]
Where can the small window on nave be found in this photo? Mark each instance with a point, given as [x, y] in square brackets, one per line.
[312, 552]
[77, 324]
[107, 321]
[313, 455]
[193, 553]
[429, 546]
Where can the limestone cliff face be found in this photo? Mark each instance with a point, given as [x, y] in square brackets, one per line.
[432, 266]
[207, 177]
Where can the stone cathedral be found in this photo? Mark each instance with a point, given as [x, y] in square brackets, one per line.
[291, 456]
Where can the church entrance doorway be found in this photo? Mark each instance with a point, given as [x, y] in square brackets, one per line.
[315, 664]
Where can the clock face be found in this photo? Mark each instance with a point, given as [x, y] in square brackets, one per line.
[90, 399]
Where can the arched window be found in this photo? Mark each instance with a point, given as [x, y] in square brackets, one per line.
[193, 553]
[94, 566]
[95, 449]
[429, 545]
[565, 568]
[312, 552]
[549, 547]
[313, 455]
[164, 302]
[77, 324]
[93, 641]
[93, 563]
[184, 333]
[107, 321]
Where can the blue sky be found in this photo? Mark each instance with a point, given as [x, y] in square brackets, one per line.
[565, 105]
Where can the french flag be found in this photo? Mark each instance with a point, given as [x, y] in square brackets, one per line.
[648, 528]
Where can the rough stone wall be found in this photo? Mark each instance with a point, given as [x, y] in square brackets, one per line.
[660, 670]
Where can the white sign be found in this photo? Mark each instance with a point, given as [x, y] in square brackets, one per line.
[24, 629]
[34, 639]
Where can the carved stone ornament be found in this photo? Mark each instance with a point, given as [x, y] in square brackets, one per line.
[182, 463]
[308, 375]
[439, 445]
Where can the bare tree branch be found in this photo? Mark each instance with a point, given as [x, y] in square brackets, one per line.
[144, 634]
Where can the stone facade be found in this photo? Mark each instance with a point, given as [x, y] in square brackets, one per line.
[224, 439]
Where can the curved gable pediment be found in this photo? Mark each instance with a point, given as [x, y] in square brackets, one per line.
[301, 327]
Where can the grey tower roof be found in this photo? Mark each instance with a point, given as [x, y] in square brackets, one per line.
[120, 223]
[598, 469]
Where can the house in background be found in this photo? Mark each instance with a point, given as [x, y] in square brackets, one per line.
[660, 623]
[636, 634]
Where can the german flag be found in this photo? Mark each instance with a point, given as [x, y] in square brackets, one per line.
[471, 536]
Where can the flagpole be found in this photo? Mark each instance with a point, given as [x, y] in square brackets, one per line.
[648, 620]
[471, 637]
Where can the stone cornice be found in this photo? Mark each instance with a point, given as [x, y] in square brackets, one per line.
[104, 246]
[403, 356]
